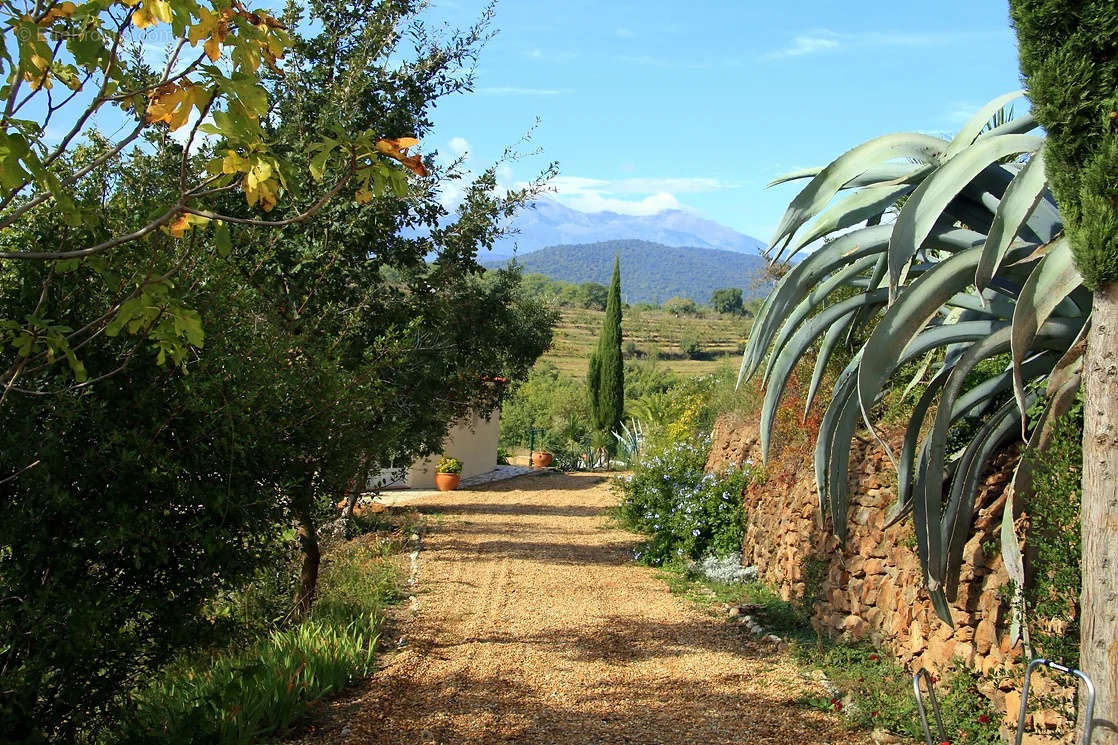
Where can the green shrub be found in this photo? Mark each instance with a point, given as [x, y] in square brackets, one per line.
[686, 512]
[1054, 548]
[691, 347]
[246, 692]
[873, 691]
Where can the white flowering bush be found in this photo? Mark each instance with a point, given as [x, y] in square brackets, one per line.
[685, 512]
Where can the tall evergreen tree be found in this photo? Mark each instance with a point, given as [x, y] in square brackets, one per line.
[1069, 59]
[606, 378]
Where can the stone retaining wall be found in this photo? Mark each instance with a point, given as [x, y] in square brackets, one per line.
[872, 588]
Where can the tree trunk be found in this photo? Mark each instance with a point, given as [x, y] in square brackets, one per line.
[1099, 515]
[303, 508]
[356, 486]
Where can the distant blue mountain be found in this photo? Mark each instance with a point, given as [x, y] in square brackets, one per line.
[650, 272]
[549, 223]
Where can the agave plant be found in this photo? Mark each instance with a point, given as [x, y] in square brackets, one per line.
[935, 249]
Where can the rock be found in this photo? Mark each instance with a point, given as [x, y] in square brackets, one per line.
[734, 611]
[855, 627]
[884, 737]
[985, 636]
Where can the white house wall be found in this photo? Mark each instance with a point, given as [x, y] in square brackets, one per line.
[472, 441]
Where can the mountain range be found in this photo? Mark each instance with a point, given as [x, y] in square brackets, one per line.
[650, 272]
[549, 223]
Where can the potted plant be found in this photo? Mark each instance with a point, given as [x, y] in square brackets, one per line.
[448, 472]
[541, 458]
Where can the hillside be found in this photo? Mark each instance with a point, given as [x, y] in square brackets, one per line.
[650, 272]
[655, 335]
[549, 223]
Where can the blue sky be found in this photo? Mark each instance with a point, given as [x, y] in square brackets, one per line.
[663, 103]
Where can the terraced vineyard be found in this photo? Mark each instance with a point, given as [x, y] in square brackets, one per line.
[655, 333]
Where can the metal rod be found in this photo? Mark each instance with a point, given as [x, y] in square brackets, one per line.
[923, 673]
[1089, 715]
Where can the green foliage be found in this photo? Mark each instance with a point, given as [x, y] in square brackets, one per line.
[240, 694]
[873, 691]
[546, 399]
[1071, 71]
[1053, 591]
[727, 300]
[681, 306]
[691, 347]
[447, 464]
[684, 511]
[239, 381]
[653, 272]
[606, 378]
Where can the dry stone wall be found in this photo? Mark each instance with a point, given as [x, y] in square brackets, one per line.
[871, 587]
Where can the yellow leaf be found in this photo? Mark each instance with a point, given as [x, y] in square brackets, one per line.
[234, 163]
[172, 103]
[62, 10]
[183, 222]
[212, 48]
[397, 149]
[363, 195]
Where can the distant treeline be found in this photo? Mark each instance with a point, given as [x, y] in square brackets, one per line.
[650, 272]
[592, 296]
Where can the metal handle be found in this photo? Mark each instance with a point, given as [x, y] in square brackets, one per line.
[923, 673]
[1089, 717]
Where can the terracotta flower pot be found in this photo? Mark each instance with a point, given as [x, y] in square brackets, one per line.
[447, 481]
[541, 459]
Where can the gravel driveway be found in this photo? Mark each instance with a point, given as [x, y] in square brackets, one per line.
[533, 625]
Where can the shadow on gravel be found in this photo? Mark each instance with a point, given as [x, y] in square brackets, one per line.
[472, 709]
[622, 640]
[610, 554]
[514, 509]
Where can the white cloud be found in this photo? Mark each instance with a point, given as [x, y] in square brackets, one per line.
[650, 205]
[540, 54]
[802, 45]
[508, 90]
[459, 146]
[630, 196]
[625, 33]
[821, 41]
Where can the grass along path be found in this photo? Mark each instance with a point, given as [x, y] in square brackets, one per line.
[532, 625]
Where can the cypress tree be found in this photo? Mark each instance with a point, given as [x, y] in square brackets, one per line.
[606, 378]
[1069, 59]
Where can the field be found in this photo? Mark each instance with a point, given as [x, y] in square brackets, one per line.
[655, 333]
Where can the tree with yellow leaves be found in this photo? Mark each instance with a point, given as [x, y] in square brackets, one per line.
[211, 86]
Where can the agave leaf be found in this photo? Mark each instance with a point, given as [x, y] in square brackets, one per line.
[919, 303]
[927, 504]
[823, 187]
[787, 356]
[844, 387]
[796, 175]
[1014, 564]
[813, 300]
[1070, 364]
[1050, 282]
[1021, 198]
[930, 501]
[925, 341]
[831, 339]
[973, 128]
[838, 485]
[859, 206]
[887, 172]
[925, 205]
[956, 524]
[908, 449]
[1017, 125]
[798, 282]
